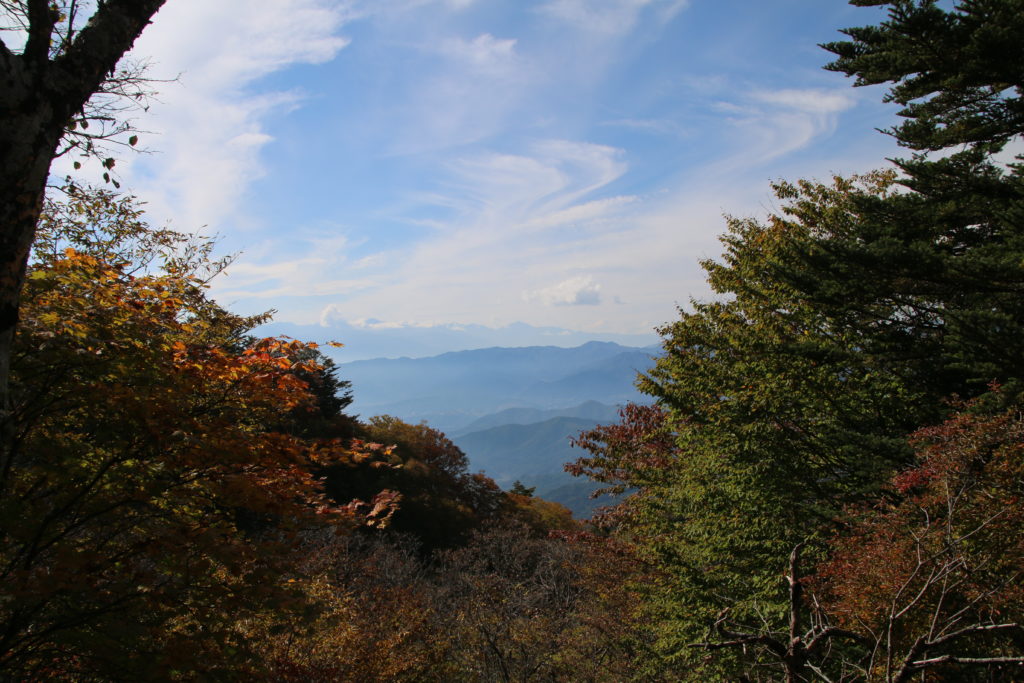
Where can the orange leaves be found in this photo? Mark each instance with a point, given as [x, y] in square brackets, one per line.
[378, 512]
[948, 544]
[140, 349]
[158, 478]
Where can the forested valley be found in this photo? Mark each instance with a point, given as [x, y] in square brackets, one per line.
[826, 486]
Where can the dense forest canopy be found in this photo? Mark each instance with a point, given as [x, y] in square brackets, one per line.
[795, 411]
[827, 485]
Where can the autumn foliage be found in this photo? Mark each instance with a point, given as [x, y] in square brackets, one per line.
[150, 494]
[932, 575]
[184, 501]
[828, 484]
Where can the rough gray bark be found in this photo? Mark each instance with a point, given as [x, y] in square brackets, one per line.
[39, 95]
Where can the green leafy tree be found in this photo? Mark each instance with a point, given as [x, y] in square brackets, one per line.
[520, 489]
[326, 417]
[770, 415]
[844, 323]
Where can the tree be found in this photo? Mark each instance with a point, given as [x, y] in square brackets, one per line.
[629, 456]
[770, 415]
[522, 607]
[442, 501]
[930, 579]
[509, 605]
[845, 322]
[800, 649]
[520, 489]
[147, 501]
[377, 617]
[956, 72]
[44, 88]
[933, 275]
[326, 418]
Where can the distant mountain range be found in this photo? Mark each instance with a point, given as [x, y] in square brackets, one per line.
[512, 410]
[591, 410]
[366, 339]
[453, 389]
[535, 454]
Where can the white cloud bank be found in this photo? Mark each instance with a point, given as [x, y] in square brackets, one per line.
[576, 291]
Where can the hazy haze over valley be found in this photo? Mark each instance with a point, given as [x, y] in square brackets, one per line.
[512, 410]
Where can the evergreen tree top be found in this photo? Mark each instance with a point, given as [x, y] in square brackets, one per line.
[958, 73]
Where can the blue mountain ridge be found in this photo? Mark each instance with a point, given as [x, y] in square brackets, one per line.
[371, 339]
[511, 410]
[535, 454]
[452, 389]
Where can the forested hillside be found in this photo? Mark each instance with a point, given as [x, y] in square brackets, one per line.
[822, 480]
[514, 411]
[184, 501]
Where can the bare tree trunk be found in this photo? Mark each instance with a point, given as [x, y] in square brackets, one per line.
[796, 654]
[38, 98]
[28, 140]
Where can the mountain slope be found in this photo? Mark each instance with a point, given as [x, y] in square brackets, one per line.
[453, 389]
[514, 451]
[589, 410]
[535, 454]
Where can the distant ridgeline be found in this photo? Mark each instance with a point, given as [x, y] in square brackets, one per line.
[512, 410]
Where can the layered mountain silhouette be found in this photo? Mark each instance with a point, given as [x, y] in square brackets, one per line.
[534, 454]
[593, 411]
[512, 410]
[367, 339]
[453, 389]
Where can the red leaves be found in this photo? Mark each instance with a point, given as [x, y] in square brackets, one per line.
[640, 443]
[157, 482]
[945, 550]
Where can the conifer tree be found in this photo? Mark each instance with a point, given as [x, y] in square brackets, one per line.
[934, 275]
[846, 322]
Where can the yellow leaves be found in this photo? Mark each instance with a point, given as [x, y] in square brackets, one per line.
[49, 318]
[168, 425]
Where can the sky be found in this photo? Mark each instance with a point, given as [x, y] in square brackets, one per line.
[436, 164]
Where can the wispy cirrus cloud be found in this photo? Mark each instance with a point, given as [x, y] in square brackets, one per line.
[608, 17]
[512, 219]
[810, 101]
[209, 126]
[484, 54]
[531, 188]
[765, 125]
[461, 161]
[313, 270]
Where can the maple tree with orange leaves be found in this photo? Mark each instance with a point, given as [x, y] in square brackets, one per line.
[151, 496]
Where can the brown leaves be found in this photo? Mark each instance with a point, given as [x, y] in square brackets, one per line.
[155, 482]
[945, 553]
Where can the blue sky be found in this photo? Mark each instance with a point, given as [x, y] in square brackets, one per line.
[384, 164]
